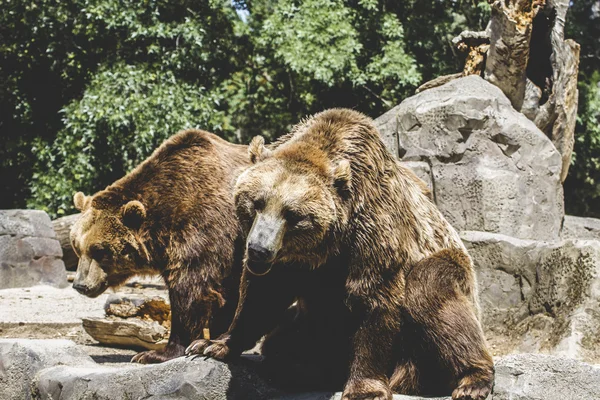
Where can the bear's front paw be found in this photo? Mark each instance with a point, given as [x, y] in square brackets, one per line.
[473, 387]
[170, 352]
[197, 347]
[367, 389]
[218, 350]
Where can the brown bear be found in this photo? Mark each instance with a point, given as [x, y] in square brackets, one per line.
[385, 292]
[172, 215]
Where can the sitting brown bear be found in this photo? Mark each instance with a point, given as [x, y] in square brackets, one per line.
[386, 293]
[173, 215]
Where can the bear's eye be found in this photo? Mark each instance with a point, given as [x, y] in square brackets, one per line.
[99, 252]
[293, 217]
[259, 204]
[127, 249]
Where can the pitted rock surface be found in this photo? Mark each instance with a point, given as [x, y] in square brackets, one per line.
[581, 228]
[30, 253]
[58, 369]
[539, 296]
[491, 168]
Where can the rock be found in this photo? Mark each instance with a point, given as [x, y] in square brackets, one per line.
[34, 223]
[182, 378]
[130, 332]
[581, 228]
[492, 169]
[133, 321]
[21, 359]
[536, 376]
[30, 254]
[538, 296]
[62, 228]
[154, 308]
[422, 170]
[59, 369]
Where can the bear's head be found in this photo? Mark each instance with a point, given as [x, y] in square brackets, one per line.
[106, 238]
[288, 203]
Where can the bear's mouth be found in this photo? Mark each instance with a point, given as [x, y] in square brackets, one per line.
[258, 268]
[91, 292]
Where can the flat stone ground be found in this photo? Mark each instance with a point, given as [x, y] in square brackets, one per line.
[45, 312]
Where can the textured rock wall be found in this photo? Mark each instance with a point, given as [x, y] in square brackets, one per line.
[490, 167]
[58, 369]
[581, 228]
[30, 254]
[539, 296]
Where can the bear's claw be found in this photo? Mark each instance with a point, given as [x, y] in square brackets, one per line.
[170, 352]
[197, 347]
[472, 390]
[367, 389]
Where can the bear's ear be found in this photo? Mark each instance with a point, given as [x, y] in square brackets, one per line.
[133, 214]
[257, 150]
[81, 201]
[342, 176]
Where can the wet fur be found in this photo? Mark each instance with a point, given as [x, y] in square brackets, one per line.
[386, 298]
[188, 231]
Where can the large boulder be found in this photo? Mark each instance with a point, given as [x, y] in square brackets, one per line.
[22, 359]
[542, 377]
[62, 228]
[60, 370]
[539, 296]
[181, 378]
[30, 254]
[581, 228]
[491, 168]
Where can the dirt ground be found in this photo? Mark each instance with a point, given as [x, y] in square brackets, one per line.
[44, 312]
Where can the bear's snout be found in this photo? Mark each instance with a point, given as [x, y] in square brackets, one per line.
[259, 253]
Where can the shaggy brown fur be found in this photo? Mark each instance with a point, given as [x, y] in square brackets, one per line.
[173, 215]
[385, 289]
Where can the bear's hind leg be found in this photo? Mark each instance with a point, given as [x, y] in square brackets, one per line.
[436, 301]
[405, 379]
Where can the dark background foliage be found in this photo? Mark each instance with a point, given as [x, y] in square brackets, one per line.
[88, 88]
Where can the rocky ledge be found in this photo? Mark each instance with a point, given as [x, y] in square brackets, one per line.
[60, 369]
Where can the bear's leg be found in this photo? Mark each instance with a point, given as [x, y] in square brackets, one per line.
[371, 356]
[189, 313]
[405, 378]
[436, 301]
[263, 302]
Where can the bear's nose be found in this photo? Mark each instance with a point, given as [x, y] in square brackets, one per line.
[258, 253]
[83, 289]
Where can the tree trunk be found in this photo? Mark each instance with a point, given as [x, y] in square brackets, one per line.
[524, 53]
[511, 25]
[62, 227]
[552, 94]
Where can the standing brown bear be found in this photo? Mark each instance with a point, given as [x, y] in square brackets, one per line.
[173, 215]
[385, 289]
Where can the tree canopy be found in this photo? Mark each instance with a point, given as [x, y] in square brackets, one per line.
[91, 87]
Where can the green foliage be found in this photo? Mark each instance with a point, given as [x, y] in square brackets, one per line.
[582, 187]
[315, 38]
[124, 114]
[91, 87]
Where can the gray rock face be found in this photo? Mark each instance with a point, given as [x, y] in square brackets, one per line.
[21, 359]
[536, 376]
[422, 170]
[491, 168]
[62, 228]
[581, 228]
[177, 379]
[30, 254]
[59, 370]
[539, 296]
